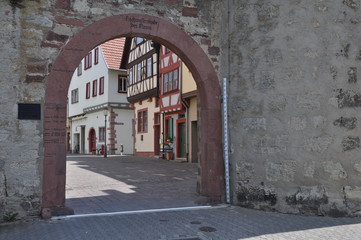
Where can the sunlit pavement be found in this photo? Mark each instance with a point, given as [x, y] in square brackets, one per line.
[123, 183]
[216, 223]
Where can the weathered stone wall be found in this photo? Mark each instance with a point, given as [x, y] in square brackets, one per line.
[295, 100]
[294, 93]
[33, 33]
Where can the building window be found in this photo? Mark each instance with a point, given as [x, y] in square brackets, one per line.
[149, 67]
[87, 90]
[165, 82]
[80, 69]
[130, 76]
[88, 61]
[143, 121]
[101, 134]
[96, 56]
[139, 72]
[101, 86]
[175, 80]
[95, 88]
[170, 81]
[122, 84]
[144, 69]
[139, 40]
[75, 95]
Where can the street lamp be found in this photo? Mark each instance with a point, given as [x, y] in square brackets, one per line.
[105, 112]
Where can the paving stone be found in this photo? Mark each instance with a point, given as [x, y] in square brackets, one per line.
[228, 223]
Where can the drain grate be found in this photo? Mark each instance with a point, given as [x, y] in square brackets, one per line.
[207, 229]
[183, 237]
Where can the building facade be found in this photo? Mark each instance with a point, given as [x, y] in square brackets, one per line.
[143, 80]
[99, 114]
[176, 110]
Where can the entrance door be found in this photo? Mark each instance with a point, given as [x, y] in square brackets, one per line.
[182, 140]
[156, 133]
[92, 140]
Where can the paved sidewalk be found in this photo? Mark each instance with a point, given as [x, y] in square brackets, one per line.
[124, 183]
[217, 223]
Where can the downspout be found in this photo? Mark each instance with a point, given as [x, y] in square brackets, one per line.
[225, 113]
[186, 107]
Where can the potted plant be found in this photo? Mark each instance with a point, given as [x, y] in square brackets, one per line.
[168, 148]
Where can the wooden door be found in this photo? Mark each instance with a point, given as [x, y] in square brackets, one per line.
[92, 140]
[182, 140]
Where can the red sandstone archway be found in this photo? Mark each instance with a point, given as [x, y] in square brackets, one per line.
[210, 146]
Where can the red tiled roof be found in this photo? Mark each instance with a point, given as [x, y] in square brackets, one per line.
[113, 52]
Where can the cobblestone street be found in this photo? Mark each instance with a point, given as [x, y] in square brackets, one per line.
[125, 183]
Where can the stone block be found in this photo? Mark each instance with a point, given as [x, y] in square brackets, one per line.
[273, 56]
[348, 123]
[357, 167]
[352, 75]
[250, 124]
[277, 103]
[256, 196]
[52, 36]
[348, 98]
[335, 170]
[319, 121]
[309, 195]
[297, 123]
[266, 80]
[34, 78]
[269, 145]
[309, 169]
[351, 3]
[190, 12]
[245, 171]
[318, 144]
[352, 197]
[282, 171]
[308, 101]
[63, 4]
[350, 143]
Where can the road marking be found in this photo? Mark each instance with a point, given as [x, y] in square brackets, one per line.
[137, 212]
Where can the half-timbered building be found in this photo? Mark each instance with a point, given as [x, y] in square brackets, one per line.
[142, 93]
[177, 111]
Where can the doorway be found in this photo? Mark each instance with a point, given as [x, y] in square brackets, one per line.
[181, 140]
[210, 146]
[92, 140]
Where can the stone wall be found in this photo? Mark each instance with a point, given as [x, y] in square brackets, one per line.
[294, 93]
[295, 99]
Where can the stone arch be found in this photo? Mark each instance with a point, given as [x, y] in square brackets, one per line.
[210, 132]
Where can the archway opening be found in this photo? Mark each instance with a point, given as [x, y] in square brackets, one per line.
[211, 182]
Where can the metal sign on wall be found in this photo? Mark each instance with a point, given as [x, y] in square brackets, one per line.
[29, 111]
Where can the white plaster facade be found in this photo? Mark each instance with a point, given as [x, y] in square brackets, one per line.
[87, 111]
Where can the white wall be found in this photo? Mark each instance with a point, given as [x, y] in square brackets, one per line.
[112, 87]
[95, 72]
[124, 133]
[147, 144]
[96, 120]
